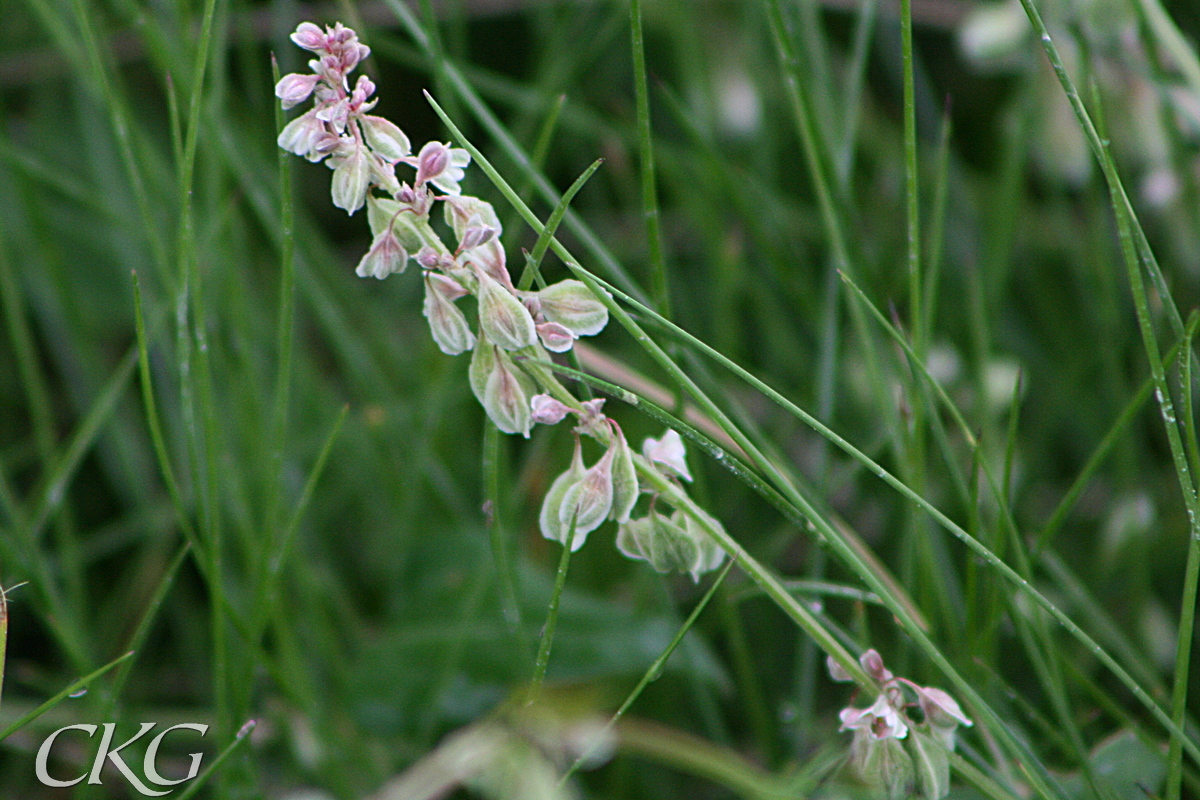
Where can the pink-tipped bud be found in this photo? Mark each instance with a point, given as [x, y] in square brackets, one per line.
[428, 258]
[476, 235]
[547, 410]
[327, 143]
[447, 287]
[362, 90]
[837, 671]
[432, 161]
[534, 305]
[294, 89]
[310, 37]
[872, 664]
[555, 337]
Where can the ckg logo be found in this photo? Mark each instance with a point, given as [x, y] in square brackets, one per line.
[113, 754]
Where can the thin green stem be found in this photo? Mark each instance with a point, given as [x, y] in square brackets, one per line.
[652, 672]
[1191, 578]
[547, 640]
[658, 269]
[506, 577]
[71, 689]
[912, 197]
[196, 783]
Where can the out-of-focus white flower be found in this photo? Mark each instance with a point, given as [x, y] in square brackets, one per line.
[668, 452]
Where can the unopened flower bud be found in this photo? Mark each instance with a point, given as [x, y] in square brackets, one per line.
[668, 454]
[476, 235]
[447, 287]
[872, 664]
[624, 477]
[501, 388]
[363, 89]
[502, 317]
[441, 165]
[446, 322]
[533, 304]
[940, 709]
[309, 36]
[432, 161]
[294, 89]
[591, 420]
[328, 144]
[351, 56]
[837, 671]
[571, 304]
[547, 410]
[384, 137]
[427, 257]
[555, 337]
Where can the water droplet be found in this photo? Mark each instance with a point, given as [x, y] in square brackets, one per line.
[78, 692]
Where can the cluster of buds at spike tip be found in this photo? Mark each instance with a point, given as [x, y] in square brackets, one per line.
[891, 752]
[363, 150]
[512, 326]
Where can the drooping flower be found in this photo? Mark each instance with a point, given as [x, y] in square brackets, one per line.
[446, 322]
[386, 256]
[505, 321]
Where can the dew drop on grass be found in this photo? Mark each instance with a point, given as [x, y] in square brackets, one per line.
[78, 692]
